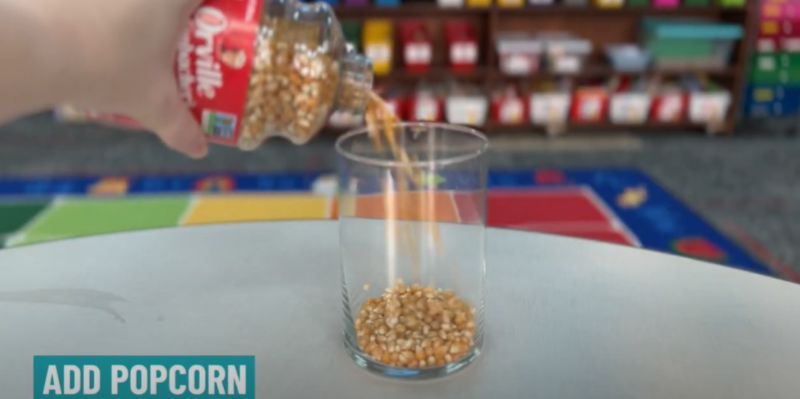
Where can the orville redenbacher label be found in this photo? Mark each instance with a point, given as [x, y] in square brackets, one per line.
[212, 67]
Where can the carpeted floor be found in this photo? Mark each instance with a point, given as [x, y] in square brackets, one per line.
[748, 186]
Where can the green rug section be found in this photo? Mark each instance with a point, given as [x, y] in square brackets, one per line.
[85, 217]
[14, 217]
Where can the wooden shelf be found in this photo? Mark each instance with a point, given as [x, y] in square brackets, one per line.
[404, 10]
[633, 11]
[427, 10]
[437, 73]
[598, 127]
[601, 26]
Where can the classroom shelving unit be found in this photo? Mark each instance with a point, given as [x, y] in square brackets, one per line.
[601, 26]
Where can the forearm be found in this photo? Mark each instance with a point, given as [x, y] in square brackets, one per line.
[35, 74]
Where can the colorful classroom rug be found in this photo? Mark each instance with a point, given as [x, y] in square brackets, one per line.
[619, 206]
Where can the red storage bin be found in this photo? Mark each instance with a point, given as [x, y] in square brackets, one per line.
[417, 46]
[589, 104]
[396, 100]
[669, 105]
[462, 45]
[509, 107]
[426, 104]
[790, 28]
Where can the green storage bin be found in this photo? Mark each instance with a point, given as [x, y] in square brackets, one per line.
[637, 3]
[352, 33]
[731, 3]
[775, 68]
[689, 42]
[696, 3]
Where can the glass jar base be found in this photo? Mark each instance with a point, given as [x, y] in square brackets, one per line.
[428, 373]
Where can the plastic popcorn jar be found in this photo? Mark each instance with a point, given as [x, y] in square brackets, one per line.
[251, 70]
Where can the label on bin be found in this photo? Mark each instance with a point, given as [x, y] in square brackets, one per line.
[766, 63]
[464, 53]
[212, 69]
[418, 53]
[379, 54]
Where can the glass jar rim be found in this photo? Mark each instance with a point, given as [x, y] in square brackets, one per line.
[468, 155]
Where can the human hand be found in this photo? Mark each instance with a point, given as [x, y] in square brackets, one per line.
[121, 62]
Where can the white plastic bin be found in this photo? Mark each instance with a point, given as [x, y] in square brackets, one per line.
[548, 108]
[450, 3]
[705, 107]
[466, 110]
[629, 108]
[519, 55]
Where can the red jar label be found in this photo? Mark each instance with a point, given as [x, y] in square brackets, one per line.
[212, 68]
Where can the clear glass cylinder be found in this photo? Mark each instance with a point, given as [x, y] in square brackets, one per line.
[412, 249]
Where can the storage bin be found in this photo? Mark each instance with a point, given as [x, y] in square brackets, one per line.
[387, 3]
[769, 27]
[766, 44]
[479, 3]
[540, 2]
[627, 57]
[378, 44]
[629, 108]
[696, 3]
[425, 104]
[462, 45]
[343, 120]
[466, 109]
[637, 3]
[576, 3]
[775, 68]
[356, 2]
[731, 3]
[589, 105]
[708, 103]
[681, 43]
[669, 105]
[629, 101]
[510, 3]
[608, 3]
[666, 3]
[770, 10]
[417, 45]
[352, 33]
[790, 44]
[509, 107]
[518, 54]
[772, 101]
[450, 3]
[396, 100]
[548, 108]
[564, 53]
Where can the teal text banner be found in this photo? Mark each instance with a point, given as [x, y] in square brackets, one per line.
[155, 377]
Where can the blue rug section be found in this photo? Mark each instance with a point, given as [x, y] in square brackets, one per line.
[659, 220]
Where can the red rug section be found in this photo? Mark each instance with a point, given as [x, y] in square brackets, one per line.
[573, 212]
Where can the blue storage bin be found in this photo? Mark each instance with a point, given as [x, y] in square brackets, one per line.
[387, 3]
[689, 42]
[331, 2]
[771, 101]
[627, 57]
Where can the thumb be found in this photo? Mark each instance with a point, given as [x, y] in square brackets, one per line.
[170, 119]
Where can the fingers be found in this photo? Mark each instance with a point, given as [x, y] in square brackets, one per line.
[170, 119]
[188, 7]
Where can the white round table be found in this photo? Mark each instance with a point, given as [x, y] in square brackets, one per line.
[566, 318]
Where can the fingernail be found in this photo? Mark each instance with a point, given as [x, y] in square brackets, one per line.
[198, 150]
